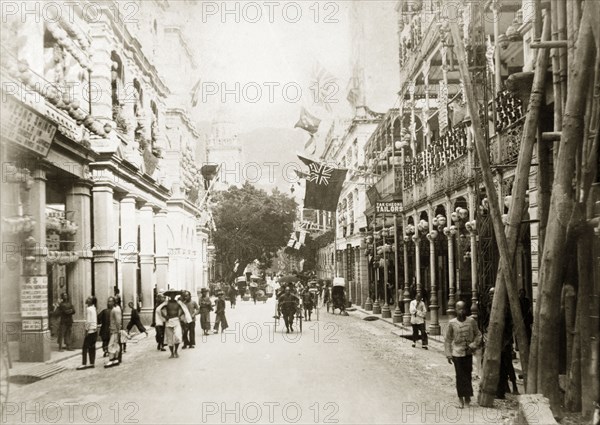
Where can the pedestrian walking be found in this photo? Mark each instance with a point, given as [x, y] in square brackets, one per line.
[159, 323]
[205, 308]
[189, 330]
[174, 312]
[135, 320]
[65, 312]
[418, 312]
[91, 334]
[232, 294]
[104, 324]
[114, 344]
[461, 341]
[220, 318]
[308, 304]
[287, 304]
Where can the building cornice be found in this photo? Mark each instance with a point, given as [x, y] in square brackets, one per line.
[128, 41]
[125, 171]
[185, 117]
[184, 43]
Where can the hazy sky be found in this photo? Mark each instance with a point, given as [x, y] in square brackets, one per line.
[271, 61]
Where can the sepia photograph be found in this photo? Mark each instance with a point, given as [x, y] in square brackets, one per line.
[300, 212]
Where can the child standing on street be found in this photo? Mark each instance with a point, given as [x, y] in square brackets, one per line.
[220, 313]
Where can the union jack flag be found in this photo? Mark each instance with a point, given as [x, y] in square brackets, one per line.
[320, 173]
[323, 185]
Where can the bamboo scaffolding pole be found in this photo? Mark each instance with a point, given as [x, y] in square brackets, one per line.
[557, 88]
[561, 15]
[505, 284]
[562, 204]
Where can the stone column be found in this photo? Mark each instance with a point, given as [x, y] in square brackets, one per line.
[35, 335]
[79, 274]
[416, 239]
[376, 304]
[146, 248]
[346, 267]
[104, 241]
[397, 316]
[129, 253]
[406, 295]
[451, 267]
[451, 273]
[473, 236]
[434, 326]
[363, 275]
[161, 255]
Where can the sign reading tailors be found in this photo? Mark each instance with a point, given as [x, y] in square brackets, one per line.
[26, 127]
[388, 207]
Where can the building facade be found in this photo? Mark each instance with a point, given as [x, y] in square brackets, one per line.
[102, 190]
[439, 239]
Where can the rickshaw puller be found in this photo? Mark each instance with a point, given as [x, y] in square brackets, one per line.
[288, 304]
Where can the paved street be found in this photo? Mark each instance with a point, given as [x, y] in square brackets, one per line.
[340, 370]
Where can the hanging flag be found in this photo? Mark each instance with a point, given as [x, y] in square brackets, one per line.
[354, 87]
[308, 122]
[323, 185]
[372, 195]
[310, 147]
[195, 93]
[323, 86]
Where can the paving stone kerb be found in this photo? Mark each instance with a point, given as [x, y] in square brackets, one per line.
[534, 409]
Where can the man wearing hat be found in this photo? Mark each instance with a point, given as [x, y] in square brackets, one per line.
[205, 309]
[174, 311]
[220, 313]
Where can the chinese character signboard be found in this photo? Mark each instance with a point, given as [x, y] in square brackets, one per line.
[388, 207]
[25, 127]
[34, 299]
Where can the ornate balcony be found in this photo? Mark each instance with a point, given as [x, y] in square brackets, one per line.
[504, 146]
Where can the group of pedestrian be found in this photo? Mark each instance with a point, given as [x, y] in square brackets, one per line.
[462, 339]
[175, 318]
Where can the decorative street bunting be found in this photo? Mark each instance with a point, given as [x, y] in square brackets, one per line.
[308, 122]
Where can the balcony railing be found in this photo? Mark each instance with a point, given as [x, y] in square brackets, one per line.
[504, 146]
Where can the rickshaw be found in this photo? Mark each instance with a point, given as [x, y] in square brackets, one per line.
[338, 296]
[297, 316]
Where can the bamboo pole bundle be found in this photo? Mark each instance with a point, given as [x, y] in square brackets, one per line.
[561, 208]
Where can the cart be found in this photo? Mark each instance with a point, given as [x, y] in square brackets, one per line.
[297, 316]
[338, 296]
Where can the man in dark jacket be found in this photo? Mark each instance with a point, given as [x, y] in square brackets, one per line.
[220, 313]
[104, 324]
[288, 304]
[135, 320]
[65, 311]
